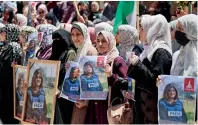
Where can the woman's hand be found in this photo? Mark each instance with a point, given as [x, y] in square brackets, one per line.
[108, 70]
[158, 81]
[81, 104]
[80, 19]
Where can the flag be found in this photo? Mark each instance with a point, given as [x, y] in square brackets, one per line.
[125, 14]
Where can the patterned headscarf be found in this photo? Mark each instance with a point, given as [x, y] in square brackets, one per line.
[12, 37]
[29, 33]
[128, 37]
[47, 30]
[103, 26]
[113, 53]
[82, 51]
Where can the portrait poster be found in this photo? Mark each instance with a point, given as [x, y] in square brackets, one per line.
[40, 96]
[19, 79]
[93, 79]
[176, 99]
[71, 84]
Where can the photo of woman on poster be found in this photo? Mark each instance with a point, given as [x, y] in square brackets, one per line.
[89, 80]
[72, 84]
[171, 107]
[36, 111]
[20, 94]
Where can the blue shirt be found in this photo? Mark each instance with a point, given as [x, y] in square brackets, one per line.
[71, 87]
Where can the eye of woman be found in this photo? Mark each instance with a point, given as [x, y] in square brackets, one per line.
[77, 34]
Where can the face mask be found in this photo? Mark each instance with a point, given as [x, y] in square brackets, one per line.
[181, 38]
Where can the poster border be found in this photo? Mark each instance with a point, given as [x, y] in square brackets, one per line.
[57, 63]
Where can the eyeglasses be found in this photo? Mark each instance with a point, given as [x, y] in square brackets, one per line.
[41, 12]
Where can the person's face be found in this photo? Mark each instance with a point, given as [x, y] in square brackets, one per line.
[31, 45]
[38, 79]
[6, 15]
[89, 69]
[2, 36]
[75, 74]
[93, 8]
[82, 7]
[77, 37]
[15, 20]
[49, 21]
[117, 37]
[41, 12]
[102, 45]
[142, 35]
[172, 93]
[21, 83]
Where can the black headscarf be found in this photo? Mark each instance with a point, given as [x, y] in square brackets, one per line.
[52, 17]
[64, 43]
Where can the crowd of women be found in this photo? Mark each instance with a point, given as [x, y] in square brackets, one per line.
[156, 53]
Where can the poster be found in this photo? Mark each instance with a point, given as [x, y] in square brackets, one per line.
[40, 97]
[131, 87]
[93, 79]
[71, 84]
[20, 77]
[176, 100]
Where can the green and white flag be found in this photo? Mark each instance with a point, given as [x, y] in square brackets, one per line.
[125, 14]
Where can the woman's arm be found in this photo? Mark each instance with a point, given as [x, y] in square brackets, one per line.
[119, 73]
[162, 112]
[83, 84]
[161, 64]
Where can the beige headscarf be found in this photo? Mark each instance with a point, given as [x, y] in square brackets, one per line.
[21, 20]
[83, 50]
[113, 53]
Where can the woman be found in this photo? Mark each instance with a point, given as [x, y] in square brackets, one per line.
[185, 61]
[51, 19]
[127, 36]
[72, 84]
[175, 45]
[170, 102]
[20, 94]
[81, 39]
[12, 38]
[94, 11]
[89, 80]
[6, 86]
[46, 41]
[8, 16]
[42, 11]
[186, 35]
[20, 20]
[82, 42]
[36, 95]
[64, 50]
[29, 40]
[116, 67]
[156, 60]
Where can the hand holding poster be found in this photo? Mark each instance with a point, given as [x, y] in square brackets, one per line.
[93, 80]
[176, 99]
[71, 84]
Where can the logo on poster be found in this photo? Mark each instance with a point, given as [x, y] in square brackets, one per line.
[100, 61]
[174, 113]
[189, 85]
[92, 85]
[37, 105]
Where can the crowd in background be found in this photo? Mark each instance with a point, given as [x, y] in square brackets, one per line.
[164, 44]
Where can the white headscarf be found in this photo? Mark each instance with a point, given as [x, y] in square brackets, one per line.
[21, 20]
[97, 5]
[113, 53]
[103, 26]
[158, 34]
[187, 60]
[82, 51]
[128, 37]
